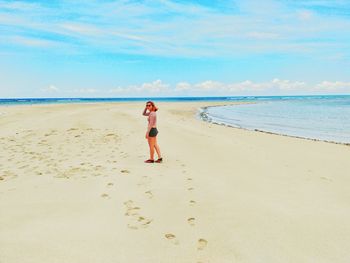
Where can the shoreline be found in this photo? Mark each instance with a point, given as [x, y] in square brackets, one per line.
[204, 116]
[199, 114]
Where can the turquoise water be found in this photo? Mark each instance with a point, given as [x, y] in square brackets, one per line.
[315, 117]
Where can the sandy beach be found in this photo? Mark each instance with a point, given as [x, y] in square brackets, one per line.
[74, 188]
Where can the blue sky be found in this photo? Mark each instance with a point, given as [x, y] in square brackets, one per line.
[174, 48]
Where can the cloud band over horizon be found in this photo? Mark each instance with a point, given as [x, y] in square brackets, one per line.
[158, 88]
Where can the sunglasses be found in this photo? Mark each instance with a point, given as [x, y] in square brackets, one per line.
[148, 105]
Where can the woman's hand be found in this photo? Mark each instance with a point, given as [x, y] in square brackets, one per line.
[146, 135]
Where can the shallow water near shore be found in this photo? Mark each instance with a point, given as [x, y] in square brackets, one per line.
[323, 118]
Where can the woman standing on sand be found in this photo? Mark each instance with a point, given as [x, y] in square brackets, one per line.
[151, 134]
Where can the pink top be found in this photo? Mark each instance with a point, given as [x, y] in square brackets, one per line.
[152, 119]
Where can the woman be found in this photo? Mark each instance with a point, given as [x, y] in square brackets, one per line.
[151, 134]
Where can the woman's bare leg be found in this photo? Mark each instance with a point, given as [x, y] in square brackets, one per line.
[151, 141]
[156, 146]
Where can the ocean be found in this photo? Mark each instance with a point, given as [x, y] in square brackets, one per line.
[324, 117]
[31, 101]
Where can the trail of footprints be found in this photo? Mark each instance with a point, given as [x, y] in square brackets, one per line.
[137, 220]
[201, 243]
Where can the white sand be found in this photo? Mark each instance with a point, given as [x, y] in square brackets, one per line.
[74, 188]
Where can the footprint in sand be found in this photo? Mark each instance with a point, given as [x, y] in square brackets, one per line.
[129, 203]
[131, 209]
[191, 221]
[72, 129]
[139, 222]
[149, 194]
[201, 244]
[326, 178]
[172, 238]
[110, 184]
[144, 222]
[136, 220]
[125, 171]
[104, 195]
[190, 189]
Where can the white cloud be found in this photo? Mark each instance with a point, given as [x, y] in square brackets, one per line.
[158, 88]
[50, 89]
[84, 91]
[182, 86]
[333, 87]
[247, 86]
[209, 85]
[275, 86]
[155, 88]
[287, 85]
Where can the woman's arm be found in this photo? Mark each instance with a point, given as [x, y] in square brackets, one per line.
[145, 113]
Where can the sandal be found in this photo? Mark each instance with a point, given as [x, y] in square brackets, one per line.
[159, 160]
[149, 161]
